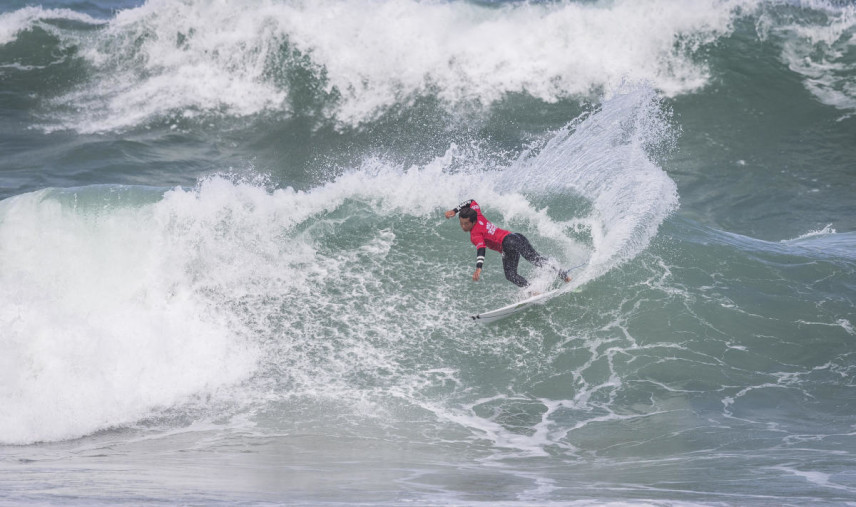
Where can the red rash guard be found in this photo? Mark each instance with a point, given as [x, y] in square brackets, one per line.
[484, 233]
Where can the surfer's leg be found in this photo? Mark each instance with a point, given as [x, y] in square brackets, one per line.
[530, 254]
[510, 259]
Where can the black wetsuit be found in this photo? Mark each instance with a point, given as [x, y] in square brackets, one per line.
[514, 246]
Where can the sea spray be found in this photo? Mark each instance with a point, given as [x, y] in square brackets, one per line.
[608, 157]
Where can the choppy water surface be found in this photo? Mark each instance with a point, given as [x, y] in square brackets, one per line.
[226, 276]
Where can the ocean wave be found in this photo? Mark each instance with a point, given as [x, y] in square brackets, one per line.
[818, 42]
[341, 62]
[123, 302]
[821, 244]
[357, 60]
[13, 23]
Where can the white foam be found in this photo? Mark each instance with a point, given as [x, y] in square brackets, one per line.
[844, 324]
[820, 479]
[377, 56]
[170, 58]
[176, 59]
[828, 229]
[101, 322]
[113, 311]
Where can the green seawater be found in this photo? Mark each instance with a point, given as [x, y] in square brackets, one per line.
[226, 275]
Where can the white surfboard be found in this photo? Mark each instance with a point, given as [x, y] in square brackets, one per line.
[506, 311]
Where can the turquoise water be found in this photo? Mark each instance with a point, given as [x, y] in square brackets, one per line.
[226, 275]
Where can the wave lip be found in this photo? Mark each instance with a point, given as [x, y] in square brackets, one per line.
[13, 23]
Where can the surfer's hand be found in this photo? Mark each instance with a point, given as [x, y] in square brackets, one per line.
[476, 275]
[450, 213]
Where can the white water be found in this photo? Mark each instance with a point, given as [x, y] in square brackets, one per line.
[99, 320]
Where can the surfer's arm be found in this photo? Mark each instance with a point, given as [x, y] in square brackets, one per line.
[465, 204]
[480, 250]
[480, 257]
[479, 263]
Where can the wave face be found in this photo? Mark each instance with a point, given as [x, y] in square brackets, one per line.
[226, 277]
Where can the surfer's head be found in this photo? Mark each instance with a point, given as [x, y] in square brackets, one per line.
[468, 217]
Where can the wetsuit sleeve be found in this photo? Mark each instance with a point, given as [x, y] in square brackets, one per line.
[465, 204]
[478, 241]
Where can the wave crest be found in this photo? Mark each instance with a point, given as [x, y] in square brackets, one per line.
[356, 61]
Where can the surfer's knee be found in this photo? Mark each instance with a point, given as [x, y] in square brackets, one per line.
[516, 279]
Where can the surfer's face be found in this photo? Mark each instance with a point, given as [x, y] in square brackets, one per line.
[466, 225]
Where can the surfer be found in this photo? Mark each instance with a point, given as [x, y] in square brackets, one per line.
[512, 245]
